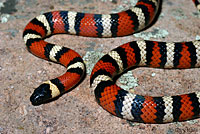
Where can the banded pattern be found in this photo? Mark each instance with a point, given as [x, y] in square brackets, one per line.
[83, 24]
[34, 34]
[140, 108]
[140, 53]
[145, 108]
[197, 4]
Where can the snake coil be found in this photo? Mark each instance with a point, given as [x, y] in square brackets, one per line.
[111, 97]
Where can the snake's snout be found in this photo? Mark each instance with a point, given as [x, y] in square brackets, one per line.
[41, 94]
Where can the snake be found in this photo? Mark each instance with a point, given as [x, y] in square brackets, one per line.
[110, 96]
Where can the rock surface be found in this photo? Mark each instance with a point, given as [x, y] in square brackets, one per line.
[77, 112]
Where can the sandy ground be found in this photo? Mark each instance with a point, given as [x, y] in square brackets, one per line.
[77, 112]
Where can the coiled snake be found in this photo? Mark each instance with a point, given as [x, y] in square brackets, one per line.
[137, 53]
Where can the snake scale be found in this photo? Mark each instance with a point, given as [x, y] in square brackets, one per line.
[111, 97]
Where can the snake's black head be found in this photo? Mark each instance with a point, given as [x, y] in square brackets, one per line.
[41, 94]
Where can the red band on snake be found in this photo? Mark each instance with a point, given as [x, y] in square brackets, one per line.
[111, 97]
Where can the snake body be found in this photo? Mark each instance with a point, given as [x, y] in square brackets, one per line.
[111, 97]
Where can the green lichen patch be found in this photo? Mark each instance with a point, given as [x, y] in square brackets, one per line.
[128, 82]
[155, 33]
[8, 7]
[90, 58]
